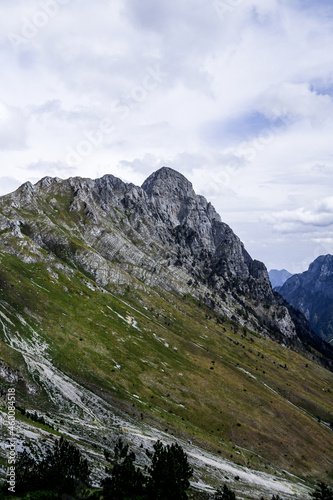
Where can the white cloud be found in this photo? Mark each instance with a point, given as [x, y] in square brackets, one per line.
[8, 184]
[320, 215]
[296, 102]
[13, 128]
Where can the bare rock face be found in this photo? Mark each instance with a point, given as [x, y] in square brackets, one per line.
[160, 235]
[311, 293]
[200, 235]
[171, 195]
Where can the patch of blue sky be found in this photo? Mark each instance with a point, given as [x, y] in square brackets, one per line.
[242, 128]
[315, 7]
[322, 87]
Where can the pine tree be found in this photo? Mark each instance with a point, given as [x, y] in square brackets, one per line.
[62, 470]
[225, 494]
[169, 473]
[124, 481]
[27, 473]
[322, 492]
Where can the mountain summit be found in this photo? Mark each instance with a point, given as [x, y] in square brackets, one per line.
[174, 202]
[167, 182]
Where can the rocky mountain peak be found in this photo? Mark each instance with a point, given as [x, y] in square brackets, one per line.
[175, 203]
[168, 182]
[322, 266]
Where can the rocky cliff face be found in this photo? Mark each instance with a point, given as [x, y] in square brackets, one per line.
[196, 231]
[311, 293]
[158, 235]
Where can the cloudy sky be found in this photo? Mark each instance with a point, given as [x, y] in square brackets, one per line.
[235, 94]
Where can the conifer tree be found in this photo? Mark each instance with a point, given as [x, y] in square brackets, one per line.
[225, 494]
[62, 470]
[169, 473]
[124, 481]
[322, 492]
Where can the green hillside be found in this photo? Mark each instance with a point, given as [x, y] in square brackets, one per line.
[105, 331]
[169, 361]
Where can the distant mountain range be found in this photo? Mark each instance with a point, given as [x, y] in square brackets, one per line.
[311, 293]
[278, 277]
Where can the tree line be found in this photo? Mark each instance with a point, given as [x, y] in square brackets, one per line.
[63, 473]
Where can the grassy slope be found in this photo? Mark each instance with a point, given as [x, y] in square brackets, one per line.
[187, 371]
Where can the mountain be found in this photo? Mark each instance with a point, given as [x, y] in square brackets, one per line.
[311, 293]
[136, 312]
[278, 277]
[160, 235]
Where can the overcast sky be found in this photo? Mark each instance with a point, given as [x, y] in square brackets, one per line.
[235, 94]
